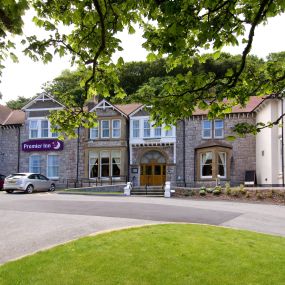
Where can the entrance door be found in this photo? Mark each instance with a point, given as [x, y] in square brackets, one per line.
[153, 174]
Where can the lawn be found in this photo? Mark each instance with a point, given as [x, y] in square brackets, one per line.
[162, 254]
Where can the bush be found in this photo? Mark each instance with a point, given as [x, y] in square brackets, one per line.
[217, 190]
[247, 194]
[202, 192]
[241, 189]
[235, 192]
[228, 188]
[210, 190]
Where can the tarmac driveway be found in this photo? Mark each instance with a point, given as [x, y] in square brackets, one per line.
[29, 223]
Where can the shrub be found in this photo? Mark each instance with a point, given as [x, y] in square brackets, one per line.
[259, 196]
[247, 194]
[203, 188]
[209, 190]
[235, 192]
[270, 194]
[228, 188]
[202, 192]
[241, 189]
[217, 190]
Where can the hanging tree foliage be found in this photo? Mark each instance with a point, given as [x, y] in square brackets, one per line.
[178, 30]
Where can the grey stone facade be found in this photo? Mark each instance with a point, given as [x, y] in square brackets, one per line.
[243, 155]
[9, 153]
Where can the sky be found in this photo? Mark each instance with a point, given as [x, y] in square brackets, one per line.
[26, 77]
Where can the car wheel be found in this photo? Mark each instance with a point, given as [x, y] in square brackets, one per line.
[30, 189]
[9, 191]
[52, 188]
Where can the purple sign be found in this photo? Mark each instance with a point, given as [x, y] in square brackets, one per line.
[42, 145]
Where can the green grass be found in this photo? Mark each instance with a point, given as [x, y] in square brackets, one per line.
[162, 254]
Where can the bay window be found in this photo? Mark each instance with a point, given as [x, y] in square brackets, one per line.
[157, 132]
[93, 165]
[105, 164]
[213, 162]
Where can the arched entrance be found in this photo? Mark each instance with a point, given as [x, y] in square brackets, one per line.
[153, 168]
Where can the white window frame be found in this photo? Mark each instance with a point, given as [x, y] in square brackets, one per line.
[119, 128]
[93, 154]
[225, 166]
[91, 133]
[146, 120]
[154, 132]
[39, 162]
[102, 129]
[111, 163]
[201, 165]
[52, 177]
[203, 129]
[39, 129]
[215, 128]
[166, 132]
[137, 128]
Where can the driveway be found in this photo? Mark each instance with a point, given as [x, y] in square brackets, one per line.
[34, 222]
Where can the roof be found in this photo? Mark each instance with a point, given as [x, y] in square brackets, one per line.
[252, 104]
[128, 108]
[11, 117]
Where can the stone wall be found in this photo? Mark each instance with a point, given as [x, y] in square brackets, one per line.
[243, 150]
[67, 157]
[8, 150]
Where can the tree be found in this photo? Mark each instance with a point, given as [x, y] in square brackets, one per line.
[19, 103]
[178, 30]
[11, 22]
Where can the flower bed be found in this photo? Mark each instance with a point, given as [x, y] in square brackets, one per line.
[240, 193]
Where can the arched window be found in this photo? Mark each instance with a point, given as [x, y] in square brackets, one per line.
[153, 156]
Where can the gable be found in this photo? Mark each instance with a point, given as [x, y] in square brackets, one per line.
[43, 102]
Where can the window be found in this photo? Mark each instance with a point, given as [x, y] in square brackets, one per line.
[116, 128]
[94, 133]
[213, 162]
[35, 163]
[116, 163]
[206, 165]
[105, 164]
[136, 128]
[222, 164]
[207, 129]
[168, 132]
[157, 132]
[41, 128]
[44, 129]
[93, 165]
[33, 129]
[52, 165]
[105, 127]
[219, 128]
[146, 128]
[216, 125]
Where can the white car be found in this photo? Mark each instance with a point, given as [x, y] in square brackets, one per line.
[28, 182]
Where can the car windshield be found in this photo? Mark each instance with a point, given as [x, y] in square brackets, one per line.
[17, 175]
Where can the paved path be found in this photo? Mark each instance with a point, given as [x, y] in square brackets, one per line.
[29, 223]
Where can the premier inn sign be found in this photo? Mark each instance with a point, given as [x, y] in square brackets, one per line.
[42, 145]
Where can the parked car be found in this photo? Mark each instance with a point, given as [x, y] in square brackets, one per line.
[28, 182]
[2, 177]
